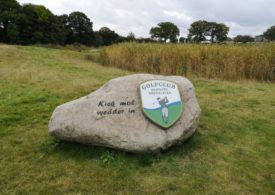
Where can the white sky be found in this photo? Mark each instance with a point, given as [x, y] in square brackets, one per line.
[244, 17]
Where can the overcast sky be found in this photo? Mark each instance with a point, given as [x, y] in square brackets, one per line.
[250, 17]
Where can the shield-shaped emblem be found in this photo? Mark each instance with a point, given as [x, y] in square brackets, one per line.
[161, 102]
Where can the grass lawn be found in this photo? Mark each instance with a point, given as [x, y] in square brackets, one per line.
[233, 150]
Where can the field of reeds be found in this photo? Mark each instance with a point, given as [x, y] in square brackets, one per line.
[226, 62]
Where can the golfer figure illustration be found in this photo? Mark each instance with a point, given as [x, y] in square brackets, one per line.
[164, 108]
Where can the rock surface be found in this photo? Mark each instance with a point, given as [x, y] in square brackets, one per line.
[112, 117]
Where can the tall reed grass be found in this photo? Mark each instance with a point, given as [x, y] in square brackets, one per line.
[230, 62]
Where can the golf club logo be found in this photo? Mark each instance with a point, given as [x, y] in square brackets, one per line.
[161, 102]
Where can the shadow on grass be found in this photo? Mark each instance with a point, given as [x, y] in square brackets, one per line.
[107, 156]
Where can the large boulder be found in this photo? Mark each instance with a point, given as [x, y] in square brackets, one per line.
[112, 117]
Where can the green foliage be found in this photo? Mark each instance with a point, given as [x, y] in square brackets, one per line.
[199, 30]
[182, 39]
[41, 26]
[233, 145]
[98, 40]
[131, 37]
[243, 39]
[43, 14]
[269, 34]
[165, 31]
[8, 5]
[107, 158]
[81, 28]
[108, 36]
[13, 33]
[31, 24]
[35, 24]
[217, 32]
[9, 32]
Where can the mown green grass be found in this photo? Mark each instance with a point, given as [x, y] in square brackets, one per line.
[232, 151]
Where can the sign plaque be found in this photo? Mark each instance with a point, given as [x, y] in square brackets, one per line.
[161, 102]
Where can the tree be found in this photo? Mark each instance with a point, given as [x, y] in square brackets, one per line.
[243, 39]
[108, 36]
[217, 32]
[81, 28]
[200, 30]
[98, 41]
[145, 40]
[182, 39]
[8, 5]
[9, 10]
[46, 26]
[30, 24]
[197, 31]
[13, 33]
[62, 27]
[40, 25]
[229, 39]
[269, 34]
[165, 31]
[131, 37]
[221, 32]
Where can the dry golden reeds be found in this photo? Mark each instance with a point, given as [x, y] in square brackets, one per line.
[230, 62]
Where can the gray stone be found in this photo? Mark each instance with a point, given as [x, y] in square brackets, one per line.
[84, 120]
